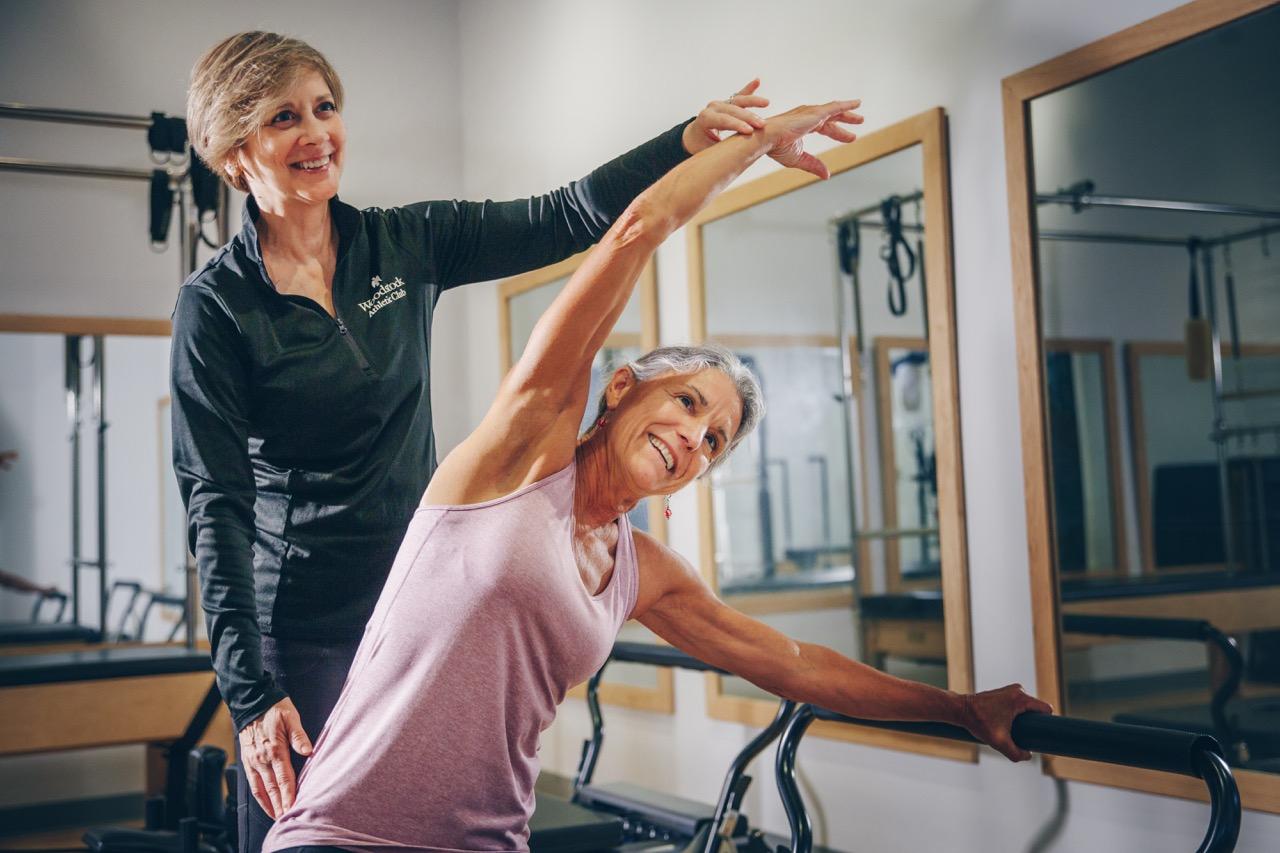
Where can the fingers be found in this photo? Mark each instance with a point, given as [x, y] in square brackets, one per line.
[297, 736]
[812, 165]
[258, 789]
[750, 87]
[286, 785]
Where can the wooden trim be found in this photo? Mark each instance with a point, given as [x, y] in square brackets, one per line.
[1125, 46]
[758, 713]
[1258, 791]
[81, 714]
[739, 341]
[662, 698]
[873, 146]
[1017, 91]
[59, 325]
[1105, 350]
[792, 600]
[929, 130]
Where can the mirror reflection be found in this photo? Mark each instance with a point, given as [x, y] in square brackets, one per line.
[829, 512]
[116, 387]
[1160, 240]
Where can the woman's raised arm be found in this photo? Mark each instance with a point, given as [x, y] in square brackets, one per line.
[531, 428]
[575, 326]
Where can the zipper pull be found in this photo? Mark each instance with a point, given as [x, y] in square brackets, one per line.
[342, 328]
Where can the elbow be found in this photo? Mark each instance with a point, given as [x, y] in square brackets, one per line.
[643, 225]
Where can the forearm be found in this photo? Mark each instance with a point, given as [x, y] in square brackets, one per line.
[681, 193]
[826, 678]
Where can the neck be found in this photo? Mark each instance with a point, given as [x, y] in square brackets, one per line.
[299, 230]
[597, 499]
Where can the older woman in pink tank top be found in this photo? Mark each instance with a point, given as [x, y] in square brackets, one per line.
[519, 568]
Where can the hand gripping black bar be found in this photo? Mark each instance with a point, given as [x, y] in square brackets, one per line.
[1169, 750]
[1194, 630]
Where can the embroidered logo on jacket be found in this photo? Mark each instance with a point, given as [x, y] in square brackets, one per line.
[384, 293]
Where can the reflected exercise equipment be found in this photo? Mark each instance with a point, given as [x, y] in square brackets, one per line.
[851, 488]
[1153, 484]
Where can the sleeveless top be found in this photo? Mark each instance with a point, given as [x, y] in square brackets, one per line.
[482, 627]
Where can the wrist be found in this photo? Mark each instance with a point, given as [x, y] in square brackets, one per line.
[965, 714]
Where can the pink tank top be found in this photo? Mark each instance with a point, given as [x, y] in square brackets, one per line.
[483, 625]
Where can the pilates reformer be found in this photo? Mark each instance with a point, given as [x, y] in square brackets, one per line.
[163, 696]
[1195, 755]
[627, 817]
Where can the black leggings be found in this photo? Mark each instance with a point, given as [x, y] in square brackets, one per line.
[312, 674]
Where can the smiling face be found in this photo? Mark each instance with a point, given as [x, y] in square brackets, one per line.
[296, 155]
[666, 431]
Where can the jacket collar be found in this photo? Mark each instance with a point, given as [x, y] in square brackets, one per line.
[346, 217]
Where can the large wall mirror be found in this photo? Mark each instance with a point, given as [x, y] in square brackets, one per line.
[1146, 255]
[522, 300]
[69, 387]
[839, 520]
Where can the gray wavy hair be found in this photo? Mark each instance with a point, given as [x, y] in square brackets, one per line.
[692, 359]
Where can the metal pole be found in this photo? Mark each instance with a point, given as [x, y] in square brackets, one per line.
[8, 109]
[1219, 418]
[99, 409]
[224, 213]
[72, 359]
[846, 380]
[875, 208]
[1092, 200]
[44, 167]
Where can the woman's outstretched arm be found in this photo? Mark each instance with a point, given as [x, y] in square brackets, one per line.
[531, 428]
[575, 326]
[676, 605]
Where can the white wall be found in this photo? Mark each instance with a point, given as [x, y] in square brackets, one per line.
[79, 246]
[579, 82]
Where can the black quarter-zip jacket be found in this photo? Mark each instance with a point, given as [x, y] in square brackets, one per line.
[302, 442]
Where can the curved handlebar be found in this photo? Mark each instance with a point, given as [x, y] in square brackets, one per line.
[1172, 751]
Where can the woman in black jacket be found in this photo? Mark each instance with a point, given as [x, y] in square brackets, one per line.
[301, 385]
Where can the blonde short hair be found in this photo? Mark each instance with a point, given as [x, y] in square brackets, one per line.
[235, 86]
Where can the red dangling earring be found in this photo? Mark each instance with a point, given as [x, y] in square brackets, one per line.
[600, 422]
[666, 507]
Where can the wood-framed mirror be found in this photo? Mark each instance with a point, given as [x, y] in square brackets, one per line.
[521, 301]
[49, 369]
[1131, 225]
[840, 520]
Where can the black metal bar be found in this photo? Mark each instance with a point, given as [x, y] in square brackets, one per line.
[72, 356]
[785, 771]
[175, 783]
[1195, 630]
[45, 167]
[656, 655]
[1172, 751]
[1081, 200]
[9, 109]
[99, 410]
[591, 748]
[1224, 804]
[736, 781]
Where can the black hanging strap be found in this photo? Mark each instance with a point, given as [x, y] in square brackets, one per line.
[161, 207]
[167, 135]
[892, 253]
